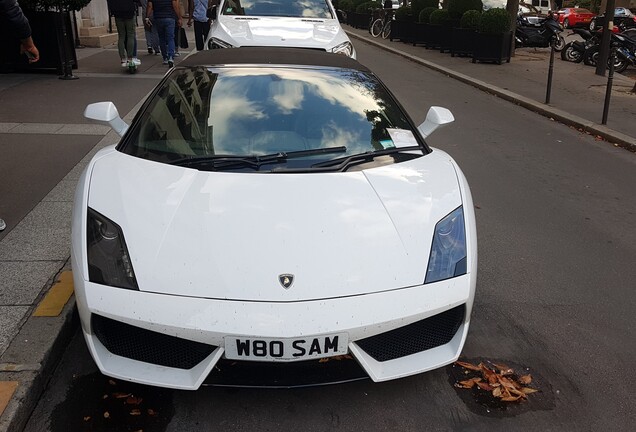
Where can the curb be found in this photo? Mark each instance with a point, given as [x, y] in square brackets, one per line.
[32, 357]
[561, 116]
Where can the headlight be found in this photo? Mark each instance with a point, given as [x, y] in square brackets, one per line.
[108, 259]
[448, 253]
[215, 43]
[345, 48]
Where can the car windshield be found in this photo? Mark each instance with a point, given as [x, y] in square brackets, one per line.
[278, 8]
[242, 111]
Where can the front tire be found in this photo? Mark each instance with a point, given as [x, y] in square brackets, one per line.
[559, 43]
[566, 23]
[593, 25]
[376, 28]
[571, 54]
[386, 31]
[591, 55]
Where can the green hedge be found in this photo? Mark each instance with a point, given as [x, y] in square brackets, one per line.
[439, 17]
[346, 5]
[494, 21]
[418, 6]
[364, 7]
[470, 20]
[425, 14]
[404, 13]
[456, 8]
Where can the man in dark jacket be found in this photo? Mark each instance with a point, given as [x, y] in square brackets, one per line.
[11, 12]
[124, 13]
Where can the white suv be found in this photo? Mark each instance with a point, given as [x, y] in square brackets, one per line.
[278, 23]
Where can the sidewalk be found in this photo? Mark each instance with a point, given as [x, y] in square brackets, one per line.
[42, 115]
[577, 97]
[45, 143]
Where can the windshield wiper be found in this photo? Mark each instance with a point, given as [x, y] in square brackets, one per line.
[254, 161]
[344, 162]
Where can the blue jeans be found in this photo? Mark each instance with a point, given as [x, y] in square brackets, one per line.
[165, 29]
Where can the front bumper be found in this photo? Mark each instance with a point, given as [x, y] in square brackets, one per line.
[207, 321]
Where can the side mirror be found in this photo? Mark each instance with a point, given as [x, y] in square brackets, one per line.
[341, 15]
[435, 118]
[211, 12]
[106, 112]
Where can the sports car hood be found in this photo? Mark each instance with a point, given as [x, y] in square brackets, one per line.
[231, 235]
[279, 31]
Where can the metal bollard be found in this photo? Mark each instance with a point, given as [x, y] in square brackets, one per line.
[550, 70]
[608, 91]
[67, 67]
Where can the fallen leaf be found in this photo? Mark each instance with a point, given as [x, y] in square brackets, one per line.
[111, 382]
[135, 412]
[496, 392]
[525, 379]
[151, 412]
[528, 390]
[468, 383]
[466, 365]
[323, 360]
[510, 399]
[87, 418]
[121, 395]
[133, 400]
[484, 386]
[504, 369]
[106, 414]
[105, 397]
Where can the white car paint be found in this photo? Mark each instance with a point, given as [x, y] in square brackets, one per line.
[241, 30]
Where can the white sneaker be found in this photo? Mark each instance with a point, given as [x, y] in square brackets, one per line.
[124, 63]
[136, 61]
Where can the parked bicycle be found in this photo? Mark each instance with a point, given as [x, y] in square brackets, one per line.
[382, 25]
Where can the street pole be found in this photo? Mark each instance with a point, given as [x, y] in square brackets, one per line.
[550, 70]
[608, 90]
[603, 54]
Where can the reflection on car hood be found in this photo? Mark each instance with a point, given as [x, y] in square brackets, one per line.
[230, 235]
[278, 31]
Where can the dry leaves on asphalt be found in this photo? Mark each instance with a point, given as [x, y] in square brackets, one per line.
[497, 379]
[338, 357]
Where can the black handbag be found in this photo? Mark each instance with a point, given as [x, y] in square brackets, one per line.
[183, 39]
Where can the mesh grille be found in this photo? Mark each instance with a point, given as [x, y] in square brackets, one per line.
[413, 338]
[147, 346]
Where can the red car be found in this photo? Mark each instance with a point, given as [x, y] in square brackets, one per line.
[575, 17]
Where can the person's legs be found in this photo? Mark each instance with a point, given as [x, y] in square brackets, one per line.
[162, 31]
[201, 30]
[121, 38]
[130, 37]
[170, 26]
[177, 38]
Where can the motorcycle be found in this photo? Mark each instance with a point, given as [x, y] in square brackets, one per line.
[539, 35]
[625, 53]
[573, 51]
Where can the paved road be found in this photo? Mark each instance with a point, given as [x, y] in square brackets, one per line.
[555, 212]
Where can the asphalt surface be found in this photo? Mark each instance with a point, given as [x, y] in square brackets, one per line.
[555, 211]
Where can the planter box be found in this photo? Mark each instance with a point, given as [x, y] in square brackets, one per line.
[422, 33]
[462, 42]
[445, 32]
[359, 20]
[404, 31]
[52, 34]
[492, 48]
[434, 40]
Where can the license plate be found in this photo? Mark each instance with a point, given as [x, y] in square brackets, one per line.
[266, 349]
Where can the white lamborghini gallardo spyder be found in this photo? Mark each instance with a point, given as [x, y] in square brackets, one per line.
[272, 216]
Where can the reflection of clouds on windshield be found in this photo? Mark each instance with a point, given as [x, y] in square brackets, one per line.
[312, 9]
[288, 95]
[348, 93]
[231, 104]
[333, 136]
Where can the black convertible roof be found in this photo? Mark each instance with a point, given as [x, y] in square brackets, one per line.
[271, 56]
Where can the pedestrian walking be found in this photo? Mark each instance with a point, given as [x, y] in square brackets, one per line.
[166, 14]
[198, 10]
[124, 13]
[152, 38]
[12, 15]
